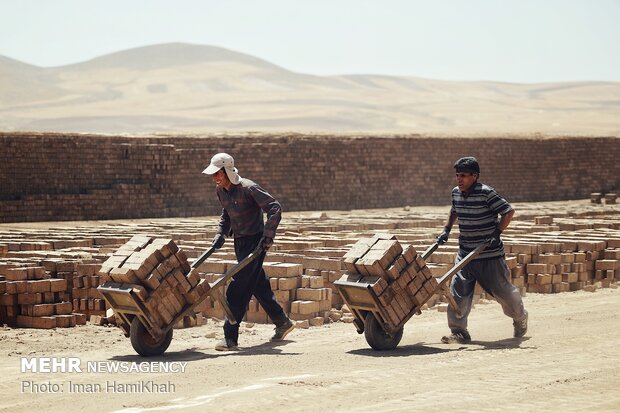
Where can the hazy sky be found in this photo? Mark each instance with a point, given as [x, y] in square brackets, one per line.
[505, 40]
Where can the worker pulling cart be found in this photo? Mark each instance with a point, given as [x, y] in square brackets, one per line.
[386, 286]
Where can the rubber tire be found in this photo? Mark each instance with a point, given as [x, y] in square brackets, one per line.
[142, 341]
[377, 338]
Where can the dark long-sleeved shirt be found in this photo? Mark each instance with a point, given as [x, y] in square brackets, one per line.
[242, 210]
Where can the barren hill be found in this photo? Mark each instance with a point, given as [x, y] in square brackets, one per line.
[183, 88]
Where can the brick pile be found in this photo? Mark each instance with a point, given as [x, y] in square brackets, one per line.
[159, 275]
[398, 277]
[30, 298]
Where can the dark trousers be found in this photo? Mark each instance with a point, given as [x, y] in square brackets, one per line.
[251, 280]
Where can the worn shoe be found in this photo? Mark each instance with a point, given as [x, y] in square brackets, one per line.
[283, 330]
[461, 337]
[520, 326]
[226, 345]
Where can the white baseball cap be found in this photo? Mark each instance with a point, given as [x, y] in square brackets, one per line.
[223, 160]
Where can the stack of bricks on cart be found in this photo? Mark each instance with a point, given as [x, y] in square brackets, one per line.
[159, 275]
[398, 276]
[30, 298]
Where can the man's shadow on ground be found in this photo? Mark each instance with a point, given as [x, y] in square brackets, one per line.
[196, 353]
[422, 349]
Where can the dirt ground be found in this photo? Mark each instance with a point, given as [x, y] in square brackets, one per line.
[568, 362]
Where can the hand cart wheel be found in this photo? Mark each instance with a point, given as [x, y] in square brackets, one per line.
[143, 342]
[377, 338]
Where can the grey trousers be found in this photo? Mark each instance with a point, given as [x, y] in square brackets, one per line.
[493, 276]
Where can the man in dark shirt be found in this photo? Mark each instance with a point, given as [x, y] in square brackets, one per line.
[477, 207]
[243, 203]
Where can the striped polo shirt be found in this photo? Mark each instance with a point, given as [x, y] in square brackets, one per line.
[242, 210]
[478, 212]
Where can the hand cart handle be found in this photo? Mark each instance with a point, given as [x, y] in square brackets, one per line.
[203, 257]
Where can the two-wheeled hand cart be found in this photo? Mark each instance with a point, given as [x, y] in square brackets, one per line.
[370, 315]
[149, 339]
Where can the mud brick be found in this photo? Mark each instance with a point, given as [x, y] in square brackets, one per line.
[304, 306]
[34, 298]
[288, 283]
[394, 270]
[15, 287]
[313, 281]
[409, 254]
[356, 252]
[43, 322]
[90, 304]
[80, 319]
[392, 316]
[192, 296]
[66, 266]
[607, 265]
[67, 284]
[543, 279]
[166, 247]
[556, 278]
[38, 286]
[124, 276]
[570, 277]
[548, 258]
[3, 287]
[25, 321]
[193, 279]
[57, 308]
[282, 296]
[537, 268]
[165, 314]
[378, 286]
[398, 309]
[386, 297]
[78, 281]
[65, 320]
[518, 281]
[86, 269]
[152, 281]
[39, 310]
[314, 294]
[412, 289]
[93, 293]
[183, 283]
[561, 287]
[15, 274]
[432, 283]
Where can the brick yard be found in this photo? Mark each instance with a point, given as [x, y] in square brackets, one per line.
[563, 256]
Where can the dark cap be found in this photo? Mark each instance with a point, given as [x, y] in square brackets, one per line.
[467, 164]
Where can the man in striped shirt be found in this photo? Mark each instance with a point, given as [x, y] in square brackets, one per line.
[243, 203]
[477, 207]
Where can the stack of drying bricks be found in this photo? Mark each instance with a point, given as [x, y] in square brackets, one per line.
[400, 278]
[82, 283]
[568, 270]
[158, 273]
[302, 296]
[30, 298]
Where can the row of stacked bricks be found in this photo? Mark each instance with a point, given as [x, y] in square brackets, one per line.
[159, 275]
[399, 277]
[81, 281]
[563, 262]
[30, 298]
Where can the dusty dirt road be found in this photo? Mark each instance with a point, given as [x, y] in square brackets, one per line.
[568, 362]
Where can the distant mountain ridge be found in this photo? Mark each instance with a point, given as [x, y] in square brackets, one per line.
[186, 88]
